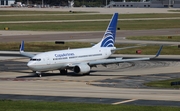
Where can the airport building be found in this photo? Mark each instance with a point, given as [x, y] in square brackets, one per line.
[146, 4]
[6, 2]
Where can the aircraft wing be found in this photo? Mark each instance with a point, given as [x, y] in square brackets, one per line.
[116, 60]
[119, 60]
[106, 61]
[25, 53]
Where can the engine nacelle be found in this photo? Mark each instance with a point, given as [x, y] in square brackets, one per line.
[82, 69]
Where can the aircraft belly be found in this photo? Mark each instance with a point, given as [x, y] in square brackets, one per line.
[49, 67]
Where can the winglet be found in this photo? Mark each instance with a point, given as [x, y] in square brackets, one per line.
[22, 46]
[159, 51]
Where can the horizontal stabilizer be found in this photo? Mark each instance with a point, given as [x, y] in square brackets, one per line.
[27, 54]
[24, 53]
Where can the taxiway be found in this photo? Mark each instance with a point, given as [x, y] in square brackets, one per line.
[113, 84]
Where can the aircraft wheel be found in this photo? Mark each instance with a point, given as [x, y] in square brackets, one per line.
[38, 74]
[87, 73]
[63, 71]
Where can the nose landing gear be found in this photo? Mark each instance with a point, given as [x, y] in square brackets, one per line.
[39, 74]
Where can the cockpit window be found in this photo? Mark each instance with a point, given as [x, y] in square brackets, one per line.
[35, 59]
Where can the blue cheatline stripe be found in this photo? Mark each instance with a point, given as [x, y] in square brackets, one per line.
[110, 34]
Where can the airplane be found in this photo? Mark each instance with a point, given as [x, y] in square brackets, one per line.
[80, 60]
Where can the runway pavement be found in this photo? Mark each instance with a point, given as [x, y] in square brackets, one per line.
[27, 36]
[101, 10]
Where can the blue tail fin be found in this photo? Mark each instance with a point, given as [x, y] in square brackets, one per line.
[109, 37]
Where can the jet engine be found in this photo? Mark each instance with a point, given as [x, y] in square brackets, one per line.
[82, 69]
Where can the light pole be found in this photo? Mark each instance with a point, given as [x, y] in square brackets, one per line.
[169, 3]
[42, 3]
[106, 3]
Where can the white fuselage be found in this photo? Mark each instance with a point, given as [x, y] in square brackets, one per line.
[58, 60]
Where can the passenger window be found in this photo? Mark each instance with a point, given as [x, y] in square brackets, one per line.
[35, 59]
[38, 59]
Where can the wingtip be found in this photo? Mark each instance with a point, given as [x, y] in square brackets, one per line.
[159, 51]
[22, 46]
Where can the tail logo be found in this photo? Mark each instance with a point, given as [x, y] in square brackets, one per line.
[108, 40]
[109, 37]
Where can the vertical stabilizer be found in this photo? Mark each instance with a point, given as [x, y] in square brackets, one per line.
[109, 37]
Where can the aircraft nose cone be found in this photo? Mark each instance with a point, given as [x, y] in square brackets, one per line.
[30, 65]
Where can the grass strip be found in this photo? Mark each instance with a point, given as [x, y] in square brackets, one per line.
[56, 16]
[61, 106]
[50, 46]
[93, 26]
[156, 38]
[59, 26]
[151, 50]
[149, 24]
[164, 84]
[174, 10]
[42, 46]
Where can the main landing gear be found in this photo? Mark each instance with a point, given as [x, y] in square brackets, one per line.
[64, 71]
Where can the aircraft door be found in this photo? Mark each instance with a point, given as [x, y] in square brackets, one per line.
[106, 52]
[47, 60]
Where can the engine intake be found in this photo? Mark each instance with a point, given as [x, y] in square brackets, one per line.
[82, 69]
